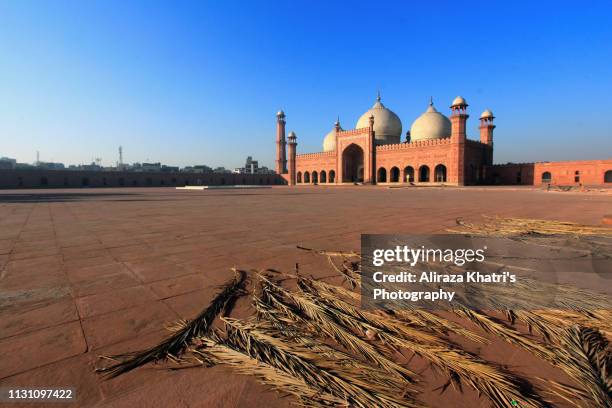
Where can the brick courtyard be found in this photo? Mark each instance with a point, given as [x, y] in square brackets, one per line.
[100, 271]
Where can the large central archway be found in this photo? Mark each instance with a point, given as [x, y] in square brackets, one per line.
[352, 164]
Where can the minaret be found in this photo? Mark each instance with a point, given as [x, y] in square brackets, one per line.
[486, 127]
[292, 152]
[458, 118]
[281, 157]
[369, 174]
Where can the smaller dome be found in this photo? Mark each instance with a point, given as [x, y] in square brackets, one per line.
[459, 101]
[292, 134]
[487, 114]
[280, 113]
[329, 143]
[430, 125]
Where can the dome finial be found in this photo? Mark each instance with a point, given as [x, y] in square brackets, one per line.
[378, 96]
[431, 101]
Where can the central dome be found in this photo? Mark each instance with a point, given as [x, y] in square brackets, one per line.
[387, 126]
[430, 125]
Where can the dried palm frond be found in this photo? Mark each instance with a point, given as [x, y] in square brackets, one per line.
[582, 353]
[586, 357]
[302, 363]
[422, 319]
[334, 326]
[508, 334]
[601, 319]
[339, 361]
[348, 268]
[329, 253]
[519, 226]
[214, 352]
[497, 384]
[175, 345]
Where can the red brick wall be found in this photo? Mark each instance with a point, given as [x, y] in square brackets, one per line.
[76, 178]
[590, 172]
[428, 153]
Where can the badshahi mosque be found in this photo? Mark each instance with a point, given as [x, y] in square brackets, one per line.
[435, 150]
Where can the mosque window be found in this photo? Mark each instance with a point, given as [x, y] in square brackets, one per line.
[394, 175]
[382, 175]
[409, 174]
[576, 176]
[424, 174]
[546, 177]
[440, 173]
[608, 176]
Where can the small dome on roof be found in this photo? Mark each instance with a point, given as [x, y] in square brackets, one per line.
[430, 125]
[292, 134]
[487, 114]
[280, 113]
[329, 143]
[459, 101]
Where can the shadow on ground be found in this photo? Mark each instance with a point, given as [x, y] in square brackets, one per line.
[59, 197]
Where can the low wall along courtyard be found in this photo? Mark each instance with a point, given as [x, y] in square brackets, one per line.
[77, 178]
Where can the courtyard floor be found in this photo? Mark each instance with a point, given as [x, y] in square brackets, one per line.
[91, 272]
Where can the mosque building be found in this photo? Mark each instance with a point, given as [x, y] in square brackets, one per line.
[436, 150]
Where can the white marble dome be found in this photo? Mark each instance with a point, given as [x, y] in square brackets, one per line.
[459, 101]
[430, 125]
[486, 114]
[329, 143]
[387, 125]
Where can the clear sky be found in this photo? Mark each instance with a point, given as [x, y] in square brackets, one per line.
[200, 82]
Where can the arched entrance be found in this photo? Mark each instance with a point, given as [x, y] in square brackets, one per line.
[299, 177]
[409, 174]
[306, 177]
[440, 173]
[315, 177]
[608, 176]
[546, 177]
[332, 176]
[423, 174]
[381, 175]
[394, 175]
[352, 164]
[323, 176]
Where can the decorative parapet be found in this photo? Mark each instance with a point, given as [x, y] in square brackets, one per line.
[351, 132]
[316, 155]
[512, 164]
[416, 144]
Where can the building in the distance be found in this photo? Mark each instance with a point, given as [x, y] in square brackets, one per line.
[6, 163]
[436, 150]
[252, 167]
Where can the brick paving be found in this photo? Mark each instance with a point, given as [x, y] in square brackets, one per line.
[101, 271]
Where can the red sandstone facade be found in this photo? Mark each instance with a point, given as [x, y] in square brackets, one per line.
[453, 160]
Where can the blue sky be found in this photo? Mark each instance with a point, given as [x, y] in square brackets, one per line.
[200, 82]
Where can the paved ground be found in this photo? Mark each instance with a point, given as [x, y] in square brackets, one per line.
[90, 272]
